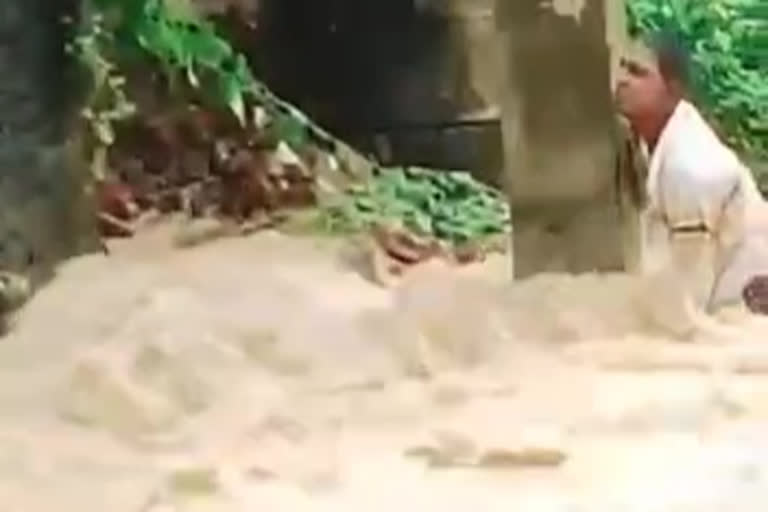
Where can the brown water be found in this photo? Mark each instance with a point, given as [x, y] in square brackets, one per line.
[266, 373]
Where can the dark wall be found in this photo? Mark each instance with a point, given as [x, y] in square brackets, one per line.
[358, 65]
[45, 215]
[374, 74]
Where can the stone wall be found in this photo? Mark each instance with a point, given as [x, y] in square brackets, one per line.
[46, 214]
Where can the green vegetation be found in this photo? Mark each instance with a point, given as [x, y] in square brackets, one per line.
[728, 40]
[449, 206]
[174, 38]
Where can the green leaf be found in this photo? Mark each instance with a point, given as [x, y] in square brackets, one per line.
[290, 130]
[232, 96]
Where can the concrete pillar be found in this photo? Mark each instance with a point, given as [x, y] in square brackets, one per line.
[558, 128]
[631, 164]
[46, 214]
[616, 34]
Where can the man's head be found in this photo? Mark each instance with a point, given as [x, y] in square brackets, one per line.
[654, 78]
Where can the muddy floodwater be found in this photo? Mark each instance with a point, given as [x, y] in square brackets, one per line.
[267, 373]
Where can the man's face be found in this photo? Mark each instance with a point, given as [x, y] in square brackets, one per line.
[641, 90]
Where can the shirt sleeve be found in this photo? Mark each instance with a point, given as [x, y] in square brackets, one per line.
[697, 193]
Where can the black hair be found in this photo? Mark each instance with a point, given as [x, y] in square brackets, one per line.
[673, 57]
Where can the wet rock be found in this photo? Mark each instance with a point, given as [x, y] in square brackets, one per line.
[469, 253]
[194, 481]
[289, 161]
[394, 251]
[15, 290]
[246, 184]
[329, 180]
[117, 199]
[354, 165]
[117, 209]
[522, 457]
[226, 169]
[514, 449]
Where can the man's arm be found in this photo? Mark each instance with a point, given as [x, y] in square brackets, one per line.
[631, 167]
[630, 188]
[697, 199]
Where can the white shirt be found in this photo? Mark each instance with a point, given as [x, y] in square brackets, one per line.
[699, 194]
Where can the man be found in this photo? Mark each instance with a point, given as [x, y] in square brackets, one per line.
[702, 220]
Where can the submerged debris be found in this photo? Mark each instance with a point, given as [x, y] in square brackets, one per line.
[193, 162]
[117, 209]
[205, 164]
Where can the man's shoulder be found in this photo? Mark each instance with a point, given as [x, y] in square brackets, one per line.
[696, 146]
[702, 153]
